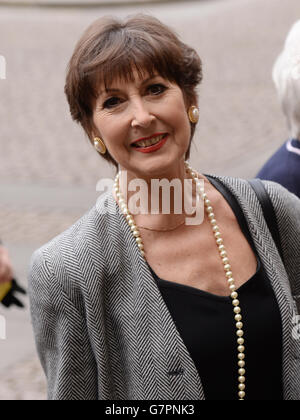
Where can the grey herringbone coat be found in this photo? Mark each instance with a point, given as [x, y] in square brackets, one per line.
[102, 328]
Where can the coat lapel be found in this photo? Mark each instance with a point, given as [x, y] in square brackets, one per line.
[166, 367]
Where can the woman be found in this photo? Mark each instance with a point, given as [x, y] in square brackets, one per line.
[284, 166]
[149, 306]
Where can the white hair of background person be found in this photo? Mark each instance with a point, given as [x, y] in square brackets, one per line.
[286, 76]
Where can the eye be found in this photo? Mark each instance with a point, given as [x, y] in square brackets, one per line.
[112, 102]
[156, 89]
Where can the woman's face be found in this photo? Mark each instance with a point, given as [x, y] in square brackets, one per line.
[152, 109]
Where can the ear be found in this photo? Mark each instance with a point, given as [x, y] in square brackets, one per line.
[190, 102]
[92, 130]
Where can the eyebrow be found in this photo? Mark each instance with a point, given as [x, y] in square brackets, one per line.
[111, 90]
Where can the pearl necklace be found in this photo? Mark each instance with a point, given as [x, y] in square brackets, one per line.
[223, 254]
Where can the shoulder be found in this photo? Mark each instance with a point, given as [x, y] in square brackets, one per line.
[278, 155]
[281, 198]
[286, 204]
[93, 220]
[65, 255]
[282, 168]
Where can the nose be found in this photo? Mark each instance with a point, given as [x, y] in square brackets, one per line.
[142, 116]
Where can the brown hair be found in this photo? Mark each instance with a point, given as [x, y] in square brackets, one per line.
[110, 49]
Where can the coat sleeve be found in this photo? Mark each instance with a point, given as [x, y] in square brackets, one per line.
[287, 209]
[61, 336]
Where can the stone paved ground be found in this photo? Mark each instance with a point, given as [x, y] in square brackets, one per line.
[48, 170]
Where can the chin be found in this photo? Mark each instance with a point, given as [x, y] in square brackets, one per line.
[160, 167]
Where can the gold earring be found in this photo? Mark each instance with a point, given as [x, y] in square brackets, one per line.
[99, 145]
[193, 114]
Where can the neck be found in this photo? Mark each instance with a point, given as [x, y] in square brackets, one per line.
[152, 200]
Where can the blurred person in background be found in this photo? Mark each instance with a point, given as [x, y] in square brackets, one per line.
[284, 166]
[8, 285]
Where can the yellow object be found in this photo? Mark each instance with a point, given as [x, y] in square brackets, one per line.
[4, 289]
[193, 114]
[100, 145]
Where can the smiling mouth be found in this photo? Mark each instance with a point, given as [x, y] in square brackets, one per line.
[149, 142]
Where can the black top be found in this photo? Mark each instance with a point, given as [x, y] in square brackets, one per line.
[207, 326]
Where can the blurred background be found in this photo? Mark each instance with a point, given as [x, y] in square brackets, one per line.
[48, 169]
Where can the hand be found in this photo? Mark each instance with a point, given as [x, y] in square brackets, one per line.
[11, 299]
[6, 271]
